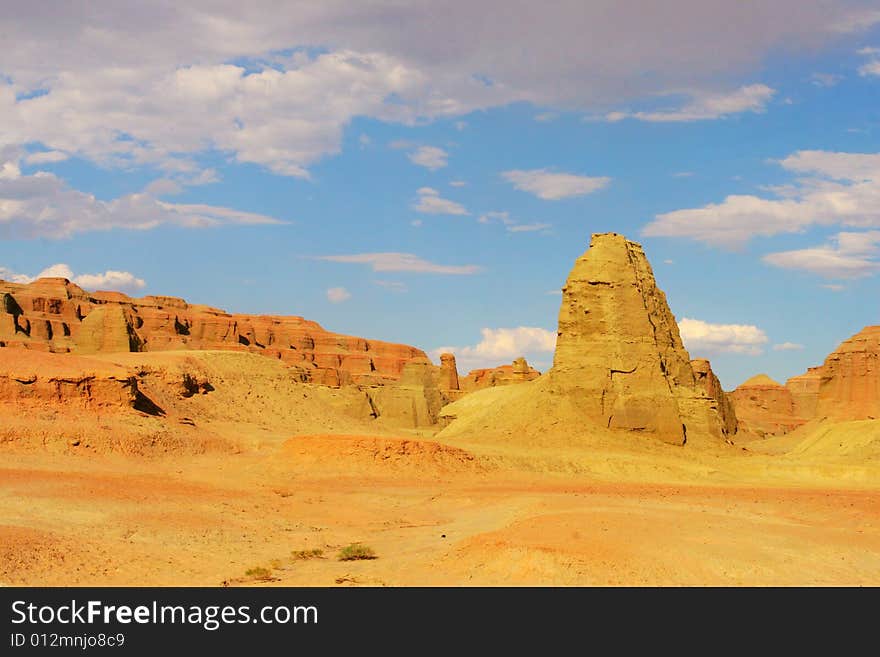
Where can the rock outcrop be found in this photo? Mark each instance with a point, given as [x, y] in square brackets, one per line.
[764, 407]
[618, 347]
[846, 387]
[45, 379]
[518, 372]
[448, 373]
[710, 385]
[619, 366]
[55, 315]
[849, 388]
[413, 401]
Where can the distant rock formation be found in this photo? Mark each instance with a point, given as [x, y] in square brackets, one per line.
[448, 373]
[849, 388]
[619, 364]
[765, 407]
[518, 372]
[55, 315]
[845, 387]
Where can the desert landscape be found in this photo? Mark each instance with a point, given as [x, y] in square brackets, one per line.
[152, 441]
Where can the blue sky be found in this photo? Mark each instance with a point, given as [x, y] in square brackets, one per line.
[427, 173]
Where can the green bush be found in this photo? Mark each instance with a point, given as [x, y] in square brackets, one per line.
[258, 572]
[356, 551]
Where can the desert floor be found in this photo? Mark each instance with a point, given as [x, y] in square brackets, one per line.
[434, 514]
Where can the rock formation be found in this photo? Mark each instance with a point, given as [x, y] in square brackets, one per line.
[28, 379]
[711, 387]
[845, 387]
[619, 363]
[53, 314]
[518, 372]
[448, 373]
[804, 390]
[764, 407]
[849, 388]
[413, 401]
[619, 350]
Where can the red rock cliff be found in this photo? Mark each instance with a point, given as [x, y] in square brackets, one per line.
[55, 315]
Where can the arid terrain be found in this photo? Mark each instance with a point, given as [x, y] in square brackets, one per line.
[151, 442]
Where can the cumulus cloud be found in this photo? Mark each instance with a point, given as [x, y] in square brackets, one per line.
[108, 280]
[157, 86]
[430, 157]
[552, 186]
[401, 262]
[788, 346]
[704, 106]
[501, 345]
[834, 188]
[847, 255]
[338, 295]
[429, 201]
[703, 338]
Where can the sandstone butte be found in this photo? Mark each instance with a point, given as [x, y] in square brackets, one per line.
[619, 363]
[518, 372]
[55, 315]
[845, 387]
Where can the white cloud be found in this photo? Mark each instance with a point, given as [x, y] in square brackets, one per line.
[703, 338]
[529, 228]
[394, 286]
[430, 202]
[836, 188]
[554, 186]
[546, 117]
[847, 255]
[338, 295]
[704, 106]
[512, 225]
[825, 79]
[109, 280]
[501, 345]
[430, 157]
[458, 183]
[401, 262]
[43, 205]
[872, 66]
[788, 346]
[129, 86]
[46, 157]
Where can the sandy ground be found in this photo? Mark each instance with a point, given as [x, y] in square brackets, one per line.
[237, 479]
[434, 515]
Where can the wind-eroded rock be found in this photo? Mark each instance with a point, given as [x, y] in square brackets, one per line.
[53, 314]
[849, 388]
[764, 407]
[517, 372]
[619, 365]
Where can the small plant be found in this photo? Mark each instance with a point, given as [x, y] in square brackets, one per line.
[301, 555]
[276, 564]
[258, 572]
[355, 552]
